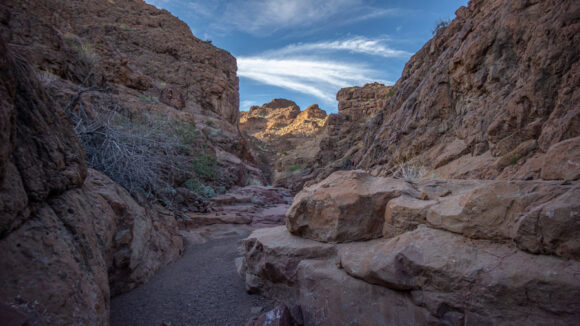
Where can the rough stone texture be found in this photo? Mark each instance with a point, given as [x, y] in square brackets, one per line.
[256, 205]
[271, 256]
[473, 282]
[69, 236]
[342, 137]
[347, 206]
[553, 228]
[172, 97]
[329, 296]
[501, 75]
[363, 102]
[562, 161]
[455, 252]
[144, 65]
[492, 96]
[284, 137]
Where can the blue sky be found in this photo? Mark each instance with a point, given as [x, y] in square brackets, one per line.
[306, 50]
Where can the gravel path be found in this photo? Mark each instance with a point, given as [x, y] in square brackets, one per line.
[201, 288]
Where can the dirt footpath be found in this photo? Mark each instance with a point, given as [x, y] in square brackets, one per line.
[201, 288]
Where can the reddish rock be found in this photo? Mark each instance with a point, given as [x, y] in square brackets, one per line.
[347, 206]
[439, 267]
[562, 161]
[70, 237]
[172, 97]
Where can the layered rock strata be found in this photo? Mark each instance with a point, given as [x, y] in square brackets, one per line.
[284, 137]
[445, 252]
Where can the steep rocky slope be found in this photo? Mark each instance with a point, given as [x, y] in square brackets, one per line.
[69, 236]
[130, 73]
[339, 141]
[285, 138]
[492, 96]
[487, 96]
[125, 88]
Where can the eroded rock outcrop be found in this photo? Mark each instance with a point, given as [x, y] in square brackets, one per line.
[284, 137]
[347, 206]
[486, 97]
[132, 70]
[453, 252]
[69, 236]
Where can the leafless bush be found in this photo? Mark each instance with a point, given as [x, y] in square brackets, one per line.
[411, 172]
[146, 155]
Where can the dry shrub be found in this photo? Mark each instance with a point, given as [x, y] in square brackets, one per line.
[411, 172]
[147, 154]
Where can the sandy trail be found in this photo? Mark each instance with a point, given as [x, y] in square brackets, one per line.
[201, 288]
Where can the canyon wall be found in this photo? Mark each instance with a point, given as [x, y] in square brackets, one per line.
[285, 139]
[139, 74]
[486, 97]
[70, 237]
[77, 75]
[467, 213]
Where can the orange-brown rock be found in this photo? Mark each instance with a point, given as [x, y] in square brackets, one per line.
[363, 102]
[562, 161]
[347, 206]
[284, 137]
[142, 64]
[444, 260]
[342, 136]
[69, 236]
[475, 282]
[490, 82]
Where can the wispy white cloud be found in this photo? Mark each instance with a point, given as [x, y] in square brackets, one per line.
[318, 78]
[264, 17]
[247, 104]
[378, 47]
[309, 68]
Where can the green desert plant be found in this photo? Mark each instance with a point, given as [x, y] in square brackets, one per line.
[205, 166]
[293, 168]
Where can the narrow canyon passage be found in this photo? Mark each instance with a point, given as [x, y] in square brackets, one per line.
[201, 288]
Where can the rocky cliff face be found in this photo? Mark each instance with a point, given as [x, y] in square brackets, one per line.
[138, 73]
[284, 137]
[338, 143]
[486, 97]
[69, 236]
[491, 97]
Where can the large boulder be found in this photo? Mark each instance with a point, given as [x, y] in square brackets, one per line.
[270, 259]
[562, 161]
[347, 206]
[475, 282]
[540, 216]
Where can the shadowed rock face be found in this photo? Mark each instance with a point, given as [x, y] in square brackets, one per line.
[491, 97]
[144, 66]
[69, 236]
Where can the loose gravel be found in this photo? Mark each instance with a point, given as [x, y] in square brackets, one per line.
[201, 288]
